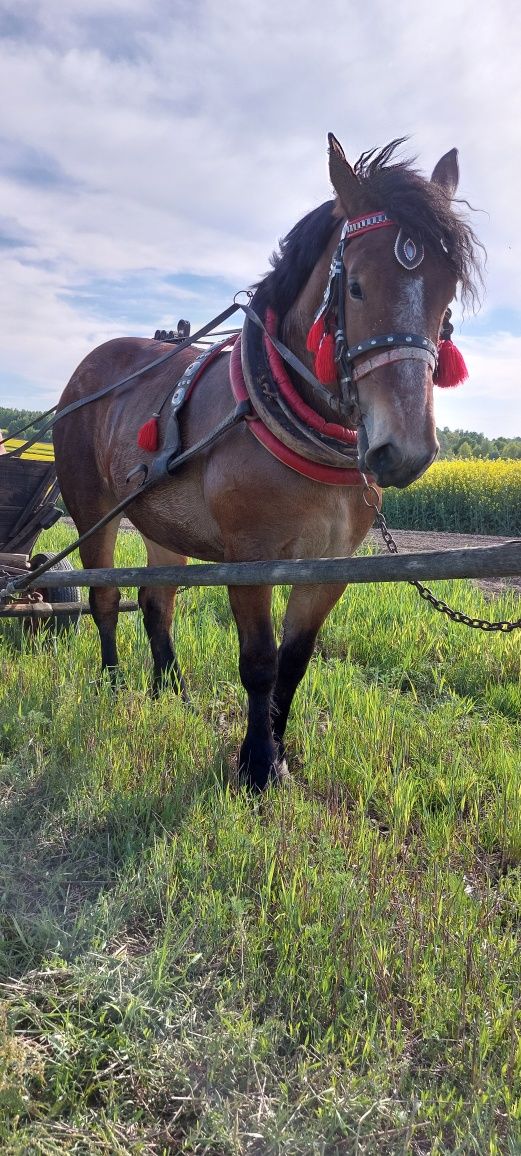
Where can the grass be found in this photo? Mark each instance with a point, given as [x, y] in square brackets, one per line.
[333, 969]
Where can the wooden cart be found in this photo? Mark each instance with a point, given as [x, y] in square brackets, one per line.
[28, 495]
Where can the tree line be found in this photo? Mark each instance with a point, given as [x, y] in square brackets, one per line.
[461, 443]
[12, 419]
[456, 443]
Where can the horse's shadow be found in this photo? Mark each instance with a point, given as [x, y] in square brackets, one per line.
[55, 872]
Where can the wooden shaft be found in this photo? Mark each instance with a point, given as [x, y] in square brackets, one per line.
[479, 562]
[54, 609]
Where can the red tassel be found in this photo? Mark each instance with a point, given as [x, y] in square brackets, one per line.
[325, 364]
[322, 344]
[315, 335]
[451, 369]
[148, 435]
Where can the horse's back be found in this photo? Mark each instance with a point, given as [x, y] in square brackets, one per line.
[96, 445]
[117, 357]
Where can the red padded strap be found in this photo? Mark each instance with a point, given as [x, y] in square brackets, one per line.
[327, 475]
[290, 395]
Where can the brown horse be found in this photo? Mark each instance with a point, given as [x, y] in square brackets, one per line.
[235, 501]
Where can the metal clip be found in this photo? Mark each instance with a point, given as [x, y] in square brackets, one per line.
[134, 473]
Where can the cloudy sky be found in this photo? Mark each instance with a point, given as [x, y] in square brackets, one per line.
[153, 151]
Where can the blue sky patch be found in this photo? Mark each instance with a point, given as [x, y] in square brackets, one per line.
[145, 301]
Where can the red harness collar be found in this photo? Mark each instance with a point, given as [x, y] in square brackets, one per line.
[293, 399]
[327, 475]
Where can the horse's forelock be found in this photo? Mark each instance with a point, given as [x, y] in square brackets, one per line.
[423, 207]
[409, 198]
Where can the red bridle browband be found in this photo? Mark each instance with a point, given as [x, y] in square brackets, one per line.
[365, 224]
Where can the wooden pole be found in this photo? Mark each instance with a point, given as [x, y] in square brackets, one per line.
[480, 562]
[53, 609]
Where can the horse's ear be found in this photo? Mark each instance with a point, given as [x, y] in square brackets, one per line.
[446, 172]
[343, 178]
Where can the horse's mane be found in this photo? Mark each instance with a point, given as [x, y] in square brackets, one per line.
[298, 254]
[409, 198]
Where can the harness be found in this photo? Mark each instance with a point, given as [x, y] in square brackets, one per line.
[314, 448]
[285, 425]
[265, 398]
[396, 346]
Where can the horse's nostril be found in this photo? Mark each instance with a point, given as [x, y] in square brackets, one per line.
[381, 459]
[390, 468]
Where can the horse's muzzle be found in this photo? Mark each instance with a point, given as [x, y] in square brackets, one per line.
[388, 465]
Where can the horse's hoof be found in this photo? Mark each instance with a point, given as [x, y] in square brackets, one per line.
[112, 677]
[277, 776]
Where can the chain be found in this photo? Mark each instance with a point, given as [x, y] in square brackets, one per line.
[369, 494]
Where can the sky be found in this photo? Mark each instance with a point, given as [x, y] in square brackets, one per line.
[153, 152]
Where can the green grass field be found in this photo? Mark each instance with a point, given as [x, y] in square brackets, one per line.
[333, 969]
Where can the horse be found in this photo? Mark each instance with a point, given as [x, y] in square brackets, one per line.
[394, 246]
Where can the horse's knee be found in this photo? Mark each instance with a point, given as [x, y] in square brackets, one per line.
[258, 667]
[157, 609]
[104, 605]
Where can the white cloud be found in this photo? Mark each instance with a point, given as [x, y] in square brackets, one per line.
[490, 401]
[192, 135]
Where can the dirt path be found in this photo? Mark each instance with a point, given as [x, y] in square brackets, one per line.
[420, 541]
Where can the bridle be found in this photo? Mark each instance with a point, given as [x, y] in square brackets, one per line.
[396, 346]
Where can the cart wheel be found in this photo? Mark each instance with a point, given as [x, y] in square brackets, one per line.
[63, 595]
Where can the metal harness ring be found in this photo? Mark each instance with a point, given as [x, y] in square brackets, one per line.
[369, 489]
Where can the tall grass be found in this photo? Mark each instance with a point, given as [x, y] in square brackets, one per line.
[468, 497]
[333, 969]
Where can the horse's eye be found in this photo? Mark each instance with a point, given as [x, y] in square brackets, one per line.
[355, 290]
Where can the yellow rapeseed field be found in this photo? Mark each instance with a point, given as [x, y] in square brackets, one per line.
[471, 496]
[41, 451]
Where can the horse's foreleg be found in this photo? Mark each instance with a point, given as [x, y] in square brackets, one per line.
[308, 606]
[251, 606]
[157, 605]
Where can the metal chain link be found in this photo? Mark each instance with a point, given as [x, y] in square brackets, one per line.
[371, 491]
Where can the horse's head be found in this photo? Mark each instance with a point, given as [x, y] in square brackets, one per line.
[404, 251]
